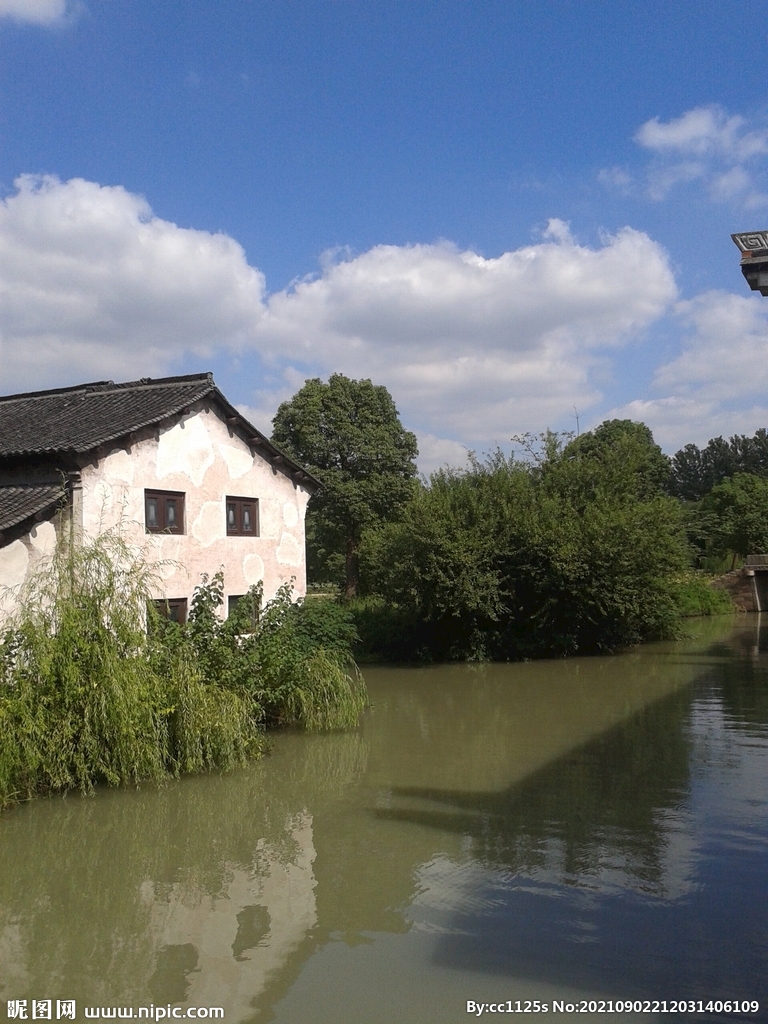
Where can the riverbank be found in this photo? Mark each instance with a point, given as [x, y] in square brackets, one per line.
[96, 687]
[395, 634]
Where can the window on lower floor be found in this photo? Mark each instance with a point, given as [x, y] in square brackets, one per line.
[252, 606]
[242, 517]
[164, 511]
[172, 608]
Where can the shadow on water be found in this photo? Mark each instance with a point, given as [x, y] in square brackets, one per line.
[617, 868]
[608, 794]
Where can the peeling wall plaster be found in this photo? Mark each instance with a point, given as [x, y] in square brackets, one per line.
[14, 562]
[238, 461]
[186, 449]
[201, 457]
[289, 552]
[290, 515]
[43, 539]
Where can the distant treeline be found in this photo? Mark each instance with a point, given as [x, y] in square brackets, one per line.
[695, 471]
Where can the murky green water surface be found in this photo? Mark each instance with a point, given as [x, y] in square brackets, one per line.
[585, 829]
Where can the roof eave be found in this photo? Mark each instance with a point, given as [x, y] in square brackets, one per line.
[275, 455]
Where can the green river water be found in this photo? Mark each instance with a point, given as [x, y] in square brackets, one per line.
[591, 829]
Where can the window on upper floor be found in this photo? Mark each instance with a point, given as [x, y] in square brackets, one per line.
[242, 517]
[164, 511]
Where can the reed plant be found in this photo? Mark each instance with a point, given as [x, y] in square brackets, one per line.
[81, 699]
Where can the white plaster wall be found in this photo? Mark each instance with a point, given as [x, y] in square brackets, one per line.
[19, 559]
[202, 457]
[14, 563]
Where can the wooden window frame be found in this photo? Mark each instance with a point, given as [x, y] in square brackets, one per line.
[162, 498]
[238, 502]
[233, 599]
[165, 606]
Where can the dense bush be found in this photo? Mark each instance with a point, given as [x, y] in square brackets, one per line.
[294, 661]
[89, 695]
[577, 551]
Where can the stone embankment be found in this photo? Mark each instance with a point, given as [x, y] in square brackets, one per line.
[748, 586]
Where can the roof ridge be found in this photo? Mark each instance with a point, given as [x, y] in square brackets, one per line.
[110, 385]
[57, 391]
[150, 382]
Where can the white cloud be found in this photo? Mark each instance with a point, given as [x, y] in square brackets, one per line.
[474, 349]
[261, 416]
[704, 132]
[479, 346]
[36, 12]
[438, 452]
[677, 420]
[723, 151]
[725, 355]
[617, 178]
[91, 284]
[718, 383]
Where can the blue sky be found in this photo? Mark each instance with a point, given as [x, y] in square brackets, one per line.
[502, 211]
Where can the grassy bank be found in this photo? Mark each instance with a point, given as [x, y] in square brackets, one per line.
[96, 688]
[694, 595]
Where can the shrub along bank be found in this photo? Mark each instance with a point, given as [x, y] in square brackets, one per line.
[89, 694]
[575, 550]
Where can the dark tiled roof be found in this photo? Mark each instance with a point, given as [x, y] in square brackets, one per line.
[81, 418]
[18, 503]
[76, 420]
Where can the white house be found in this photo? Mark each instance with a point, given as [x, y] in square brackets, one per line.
[189, 477]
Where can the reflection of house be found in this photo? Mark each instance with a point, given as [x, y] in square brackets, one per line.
[223, 949]
[170, 458]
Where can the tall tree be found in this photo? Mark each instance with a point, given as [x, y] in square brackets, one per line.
[620, 455]
[349, 435]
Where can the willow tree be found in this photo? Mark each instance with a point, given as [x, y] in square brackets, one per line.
[349, 435]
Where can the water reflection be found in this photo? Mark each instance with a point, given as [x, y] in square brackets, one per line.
[595, 825]
[191, 893]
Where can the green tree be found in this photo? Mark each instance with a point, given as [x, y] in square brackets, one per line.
[738, 508]
[695, 471]
[349, 435]
[617, 455]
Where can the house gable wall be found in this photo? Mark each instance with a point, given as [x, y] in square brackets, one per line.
[200, 455]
